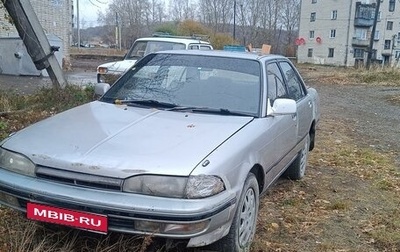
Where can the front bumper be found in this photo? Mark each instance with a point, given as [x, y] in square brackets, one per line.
[124, 210]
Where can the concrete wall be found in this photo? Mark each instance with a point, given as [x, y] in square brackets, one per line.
[55, 16]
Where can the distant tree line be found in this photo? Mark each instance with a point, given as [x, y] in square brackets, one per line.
[258, 22]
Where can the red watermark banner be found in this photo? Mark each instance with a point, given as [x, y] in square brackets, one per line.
[77, 219]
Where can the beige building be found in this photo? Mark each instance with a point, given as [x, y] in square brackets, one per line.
[338, 32]
[55, 16]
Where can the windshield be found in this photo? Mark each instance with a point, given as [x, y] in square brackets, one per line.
[142, 48]
[192, 81]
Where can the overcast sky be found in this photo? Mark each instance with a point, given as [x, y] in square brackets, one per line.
[88, 10]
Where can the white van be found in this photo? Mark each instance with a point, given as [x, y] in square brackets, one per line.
[109, 72]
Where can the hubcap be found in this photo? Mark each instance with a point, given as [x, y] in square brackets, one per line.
[247, 218]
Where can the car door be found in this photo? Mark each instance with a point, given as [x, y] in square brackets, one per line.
[282, 128]
[298, 92]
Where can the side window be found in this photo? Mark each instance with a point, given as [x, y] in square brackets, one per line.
[295, 87]
[193, 47]
[205, 47]
[199, 47]
[276, 86]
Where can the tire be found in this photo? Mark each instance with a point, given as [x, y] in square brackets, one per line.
[243, 227]
[297, 169]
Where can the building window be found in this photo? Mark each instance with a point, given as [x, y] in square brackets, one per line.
[313, 1]
[389, 25]
[377, 34]
[334, 15]
[398, 38]
[310, 52]
[331, 52]
[358, 53]
[361, 34]
[397, 55]
[392, 5]
[313, 16]
[379, 16]
[312, 34]
[387, 44]
[332, 33]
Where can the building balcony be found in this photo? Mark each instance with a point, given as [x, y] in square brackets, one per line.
[387, 52]
[365, 14]
[360, 42]
[363, 22]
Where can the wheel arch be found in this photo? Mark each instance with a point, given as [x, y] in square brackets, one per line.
[258, 172]
[312, 136]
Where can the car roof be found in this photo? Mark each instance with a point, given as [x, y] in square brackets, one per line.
[175, 40]
[226, 54]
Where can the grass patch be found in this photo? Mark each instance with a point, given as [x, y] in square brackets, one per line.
[393, 99]
[348, 200]
[350, 75]
[18, 111]
[386, 75]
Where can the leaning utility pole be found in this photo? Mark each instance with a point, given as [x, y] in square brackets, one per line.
[35, 40]
[371, 41]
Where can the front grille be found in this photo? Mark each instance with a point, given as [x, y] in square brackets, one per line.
[79, 179]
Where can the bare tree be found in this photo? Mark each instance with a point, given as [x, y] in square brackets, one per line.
[158, 11]
[270, 22]
[250, 13]
[182, 9]
[136, 17]
[290, 17]
[217, 14]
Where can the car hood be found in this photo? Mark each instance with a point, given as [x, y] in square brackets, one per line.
[118, 66]
[121, 141]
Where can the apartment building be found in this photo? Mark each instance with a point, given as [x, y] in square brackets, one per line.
[338, 32]
[55, 16]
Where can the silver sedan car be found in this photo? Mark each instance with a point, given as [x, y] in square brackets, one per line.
[181, 147]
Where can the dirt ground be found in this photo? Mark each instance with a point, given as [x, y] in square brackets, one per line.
[373, 120]
[336, 207]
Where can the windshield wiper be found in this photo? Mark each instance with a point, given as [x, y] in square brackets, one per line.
[148, 103]
[220, 111]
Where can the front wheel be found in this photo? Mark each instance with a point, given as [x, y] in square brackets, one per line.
[244, 223]
[297, 169]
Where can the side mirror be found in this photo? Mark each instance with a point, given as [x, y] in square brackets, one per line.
[101, 88]
[282, 106]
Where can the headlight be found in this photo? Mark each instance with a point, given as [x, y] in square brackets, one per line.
[16, 163]
[203, 186]
[163, 186]
[194, 187]
[102, 70]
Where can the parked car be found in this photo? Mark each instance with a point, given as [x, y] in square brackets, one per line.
[181, 146]
[109, 72]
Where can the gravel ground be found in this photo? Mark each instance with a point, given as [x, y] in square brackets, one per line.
[375, 121]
